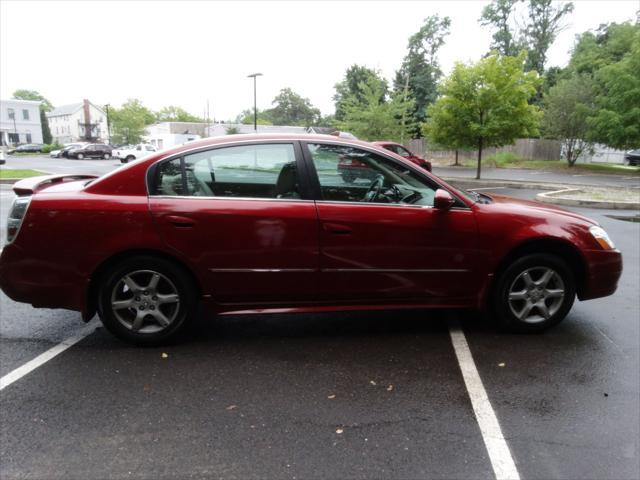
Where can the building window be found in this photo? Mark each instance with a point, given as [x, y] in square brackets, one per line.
[25, 115]
[14, 138]
[12, 114]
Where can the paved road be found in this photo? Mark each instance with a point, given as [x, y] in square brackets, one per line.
[542, 176]
[62, 165]
[98, 167]
[249, 396]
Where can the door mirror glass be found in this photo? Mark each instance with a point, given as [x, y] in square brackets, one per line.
[443, 199]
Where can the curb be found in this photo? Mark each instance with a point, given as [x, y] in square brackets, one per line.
[473, 183]
[550, 197]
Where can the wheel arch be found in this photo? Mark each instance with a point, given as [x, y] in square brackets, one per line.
[549, 245]
[110, 262]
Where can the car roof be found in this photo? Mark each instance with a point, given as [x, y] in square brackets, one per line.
[250, 137]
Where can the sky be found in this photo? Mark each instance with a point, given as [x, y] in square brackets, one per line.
[189, 53]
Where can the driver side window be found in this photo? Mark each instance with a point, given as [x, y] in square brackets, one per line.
[348, 174]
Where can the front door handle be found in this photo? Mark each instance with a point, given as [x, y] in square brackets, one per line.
[337, 228]
[180, 222]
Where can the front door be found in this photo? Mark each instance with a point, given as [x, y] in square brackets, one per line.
[239, 214]
[382, 241]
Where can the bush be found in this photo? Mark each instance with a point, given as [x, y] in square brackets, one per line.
[47, 148]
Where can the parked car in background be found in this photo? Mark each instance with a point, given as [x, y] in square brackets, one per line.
[91, 150]
[249, 223]
[129, 153]
[632, 157]
[27, 148]
[2, 159]
[64, 152]
[404, 152]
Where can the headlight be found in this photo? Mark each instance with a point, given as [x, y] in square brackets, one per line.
[602, 237]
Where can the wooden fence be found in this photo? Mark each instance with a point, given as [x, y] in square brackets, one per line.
[526, 148]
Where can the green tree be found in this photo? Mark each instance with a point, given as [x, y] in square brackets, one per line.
[246, 117]
[485, 104]
[45, 106]
[567, 108]
[349, 87]
[33, 95]
[176, 114]
[373, 117]
[420, 70]
[292, 109]
[498, 15]
[545, 22]
[607, 45]
[129, 121]
[617, 120]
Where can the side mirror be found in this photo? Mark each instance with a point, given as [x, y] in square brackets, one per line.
[443, 200]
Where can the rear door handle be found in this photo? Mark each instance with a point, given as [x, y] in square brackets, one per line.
[180, 222]
[337, 228]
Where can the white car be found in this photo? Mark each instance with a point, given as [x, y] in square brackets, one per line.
[129, 153]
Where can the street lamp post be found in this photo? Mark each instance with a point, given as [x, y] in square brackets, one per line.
[108, 125]
[255, 108]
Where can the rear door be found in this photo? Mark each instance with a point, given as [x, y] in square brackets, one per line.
[242, 217]
[381, 240]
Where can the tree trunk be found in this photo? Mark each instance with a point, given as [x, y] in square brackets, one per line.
[456, 164]
[479, 158]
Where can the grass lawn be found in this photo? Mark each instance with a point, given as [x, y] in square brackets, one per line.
[10, 173]
[507, 160]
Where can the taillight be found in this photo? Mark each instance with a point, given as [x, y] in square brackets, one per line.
[16, 215]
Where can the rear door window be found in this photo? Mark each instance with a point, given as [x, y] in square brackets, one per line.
[244, 171]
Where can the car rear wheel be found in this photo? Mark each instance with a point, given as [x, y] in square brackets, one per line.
[80, 156]
[534, 293]
[146, 300]
[106, 156]
[130, 158]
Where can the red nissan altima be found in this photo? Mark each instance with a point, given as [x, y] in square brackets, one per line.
[267, 223]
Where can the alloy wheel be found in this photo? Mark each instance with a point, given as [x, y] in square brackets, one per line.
[536, 294]
[145, 301]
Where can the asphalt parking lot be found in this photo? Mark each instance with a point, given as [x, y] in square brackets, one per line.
[340, 395]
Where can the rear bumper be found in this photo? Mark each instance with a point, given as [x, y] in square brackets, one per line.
[604, 268]
[40, 283]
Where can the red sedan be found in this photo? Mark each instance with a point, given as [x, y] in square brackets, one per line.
[266, 223]
[405, 153]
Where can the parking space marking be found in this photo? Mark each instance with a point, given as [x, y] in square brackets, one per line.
[502, 462]
[43, 358]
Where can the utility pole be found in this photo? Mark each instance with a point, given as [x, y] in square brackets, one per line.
[255, 106]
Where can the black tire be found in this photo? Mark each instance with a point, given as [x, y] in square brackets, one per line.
[129, 159]
[106, 156]
[79, 156]
[181, 313]
[512, 281]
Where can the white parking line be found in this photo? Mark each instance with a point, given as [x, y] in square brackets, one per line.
[501, 460]
[43, 358]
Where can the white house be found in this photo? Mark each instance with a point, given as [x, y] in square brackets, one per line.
[20, 122]
[167, 134]
[78, 122]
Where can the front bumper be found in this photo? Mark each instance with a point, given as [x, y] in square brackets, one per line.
[604, 268]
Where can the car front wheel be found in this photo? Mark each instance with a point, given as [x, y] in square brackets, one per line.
[146, 300]
[534, 293]
[80, 156]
